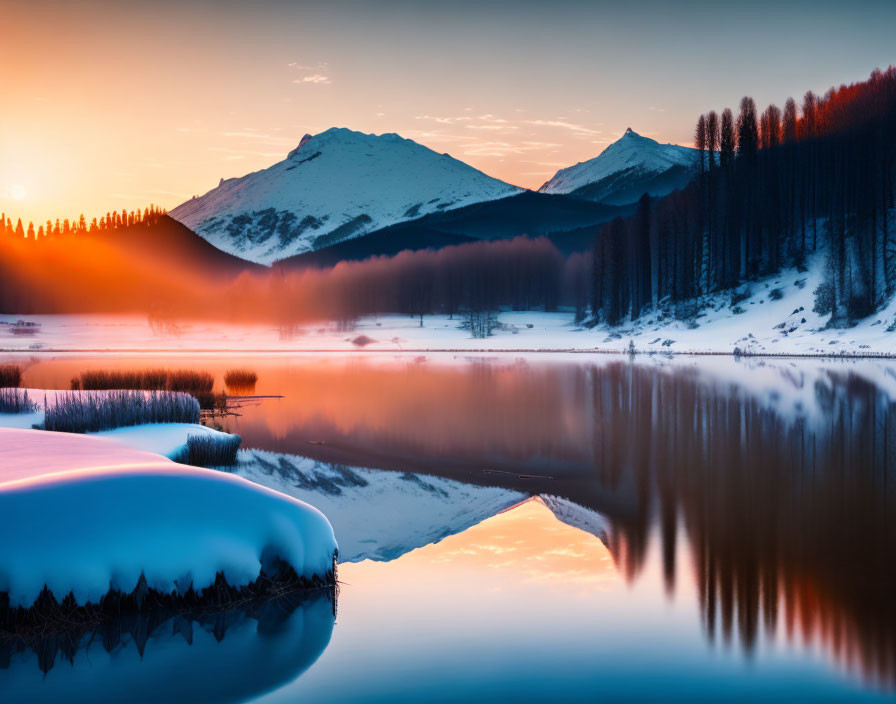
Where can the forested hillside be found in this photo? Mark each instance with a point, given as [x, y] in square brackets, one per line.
[774, 189]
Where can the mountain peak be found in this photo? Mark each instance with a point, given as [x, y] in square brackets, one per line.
[302, 143]
[625, 169]
[335, 185]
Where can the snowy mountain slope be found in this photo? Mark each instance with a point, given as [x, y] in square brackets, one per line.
[334, 186]
[572, 514]
[569, 222]
[377, 514]
[381, 514]
[624, 171]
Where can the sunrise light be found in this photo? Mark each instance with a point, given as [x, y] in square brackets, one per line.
[551, 345]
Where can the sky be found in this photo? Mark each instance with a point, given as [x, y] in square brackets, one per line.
[110, 105]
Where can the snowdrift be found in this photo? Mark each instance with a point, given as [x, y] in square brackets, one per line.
[168, 439]
[94, 517]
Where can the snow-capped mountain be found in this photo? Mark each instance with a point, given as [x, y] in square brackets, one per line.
[624, 171]
[334, 186]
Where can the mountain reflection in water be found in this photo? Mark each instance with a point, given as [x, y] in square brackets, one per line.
[770, 485]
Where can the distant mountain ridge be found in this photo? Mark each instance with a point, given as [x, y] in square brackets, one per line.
[334, 186]
[625, 170]
[569, 223]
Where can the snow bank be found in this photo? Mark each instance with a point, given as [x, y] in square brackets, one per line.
[98, 515]
[166, 439]
[26, 454]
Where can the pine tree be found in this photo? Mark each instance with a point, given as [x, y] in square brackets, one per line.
[747, 129]
[726, 139]
[700, 141]
[712, 137]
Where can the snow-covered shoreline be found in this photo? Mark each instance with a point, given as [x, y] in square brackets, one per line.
[773, 317]
[123, 511]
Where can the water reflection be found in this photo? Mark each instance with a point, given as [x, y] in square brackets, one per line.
[770, 485]
[204, 656]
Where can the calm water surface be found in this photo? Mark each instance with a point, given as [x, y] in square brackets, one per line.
[568, 528]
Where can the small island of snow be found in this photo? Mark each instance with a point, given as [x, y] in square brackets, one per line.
[97, 516]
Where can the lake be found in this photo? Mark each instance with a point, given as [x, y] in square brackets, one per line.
[568, 527]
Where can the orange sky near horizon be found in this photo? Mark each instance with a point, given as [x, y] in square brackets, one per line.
[115, 105]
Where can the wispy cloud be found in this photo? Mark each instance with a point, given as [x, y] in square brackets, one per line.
[499, 148]
[444, 120]
[314, 74]
[541, 145]
[314, 79]
[491, 149]
[556, 164]
[257, 137]
[435, 136]
[506, 128]
[562, 124]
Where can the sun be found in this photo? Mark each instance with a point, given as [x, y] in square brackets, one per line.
[18, 192]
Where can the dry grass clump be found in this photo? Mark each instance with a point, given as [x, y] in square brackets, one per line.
[137, 379]
[14, 400]
[240, 378]
[10, 375]
[190, 381]
[88, 412]
[196, 383]
[211, 450]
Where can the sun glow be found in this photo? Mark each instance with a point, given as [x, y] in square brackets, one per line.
[18, 192]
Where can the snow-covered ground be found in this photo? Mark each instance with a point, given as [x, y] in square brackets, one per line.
[762, 323]
[166, 439]
[85, 515]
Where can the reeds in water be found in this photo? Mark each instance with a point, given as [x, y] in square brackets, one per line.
[10, 375]
[240, 379]
[14, 400]
[137, 379]
[91, 412]
[196, 383]
[190, 381]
